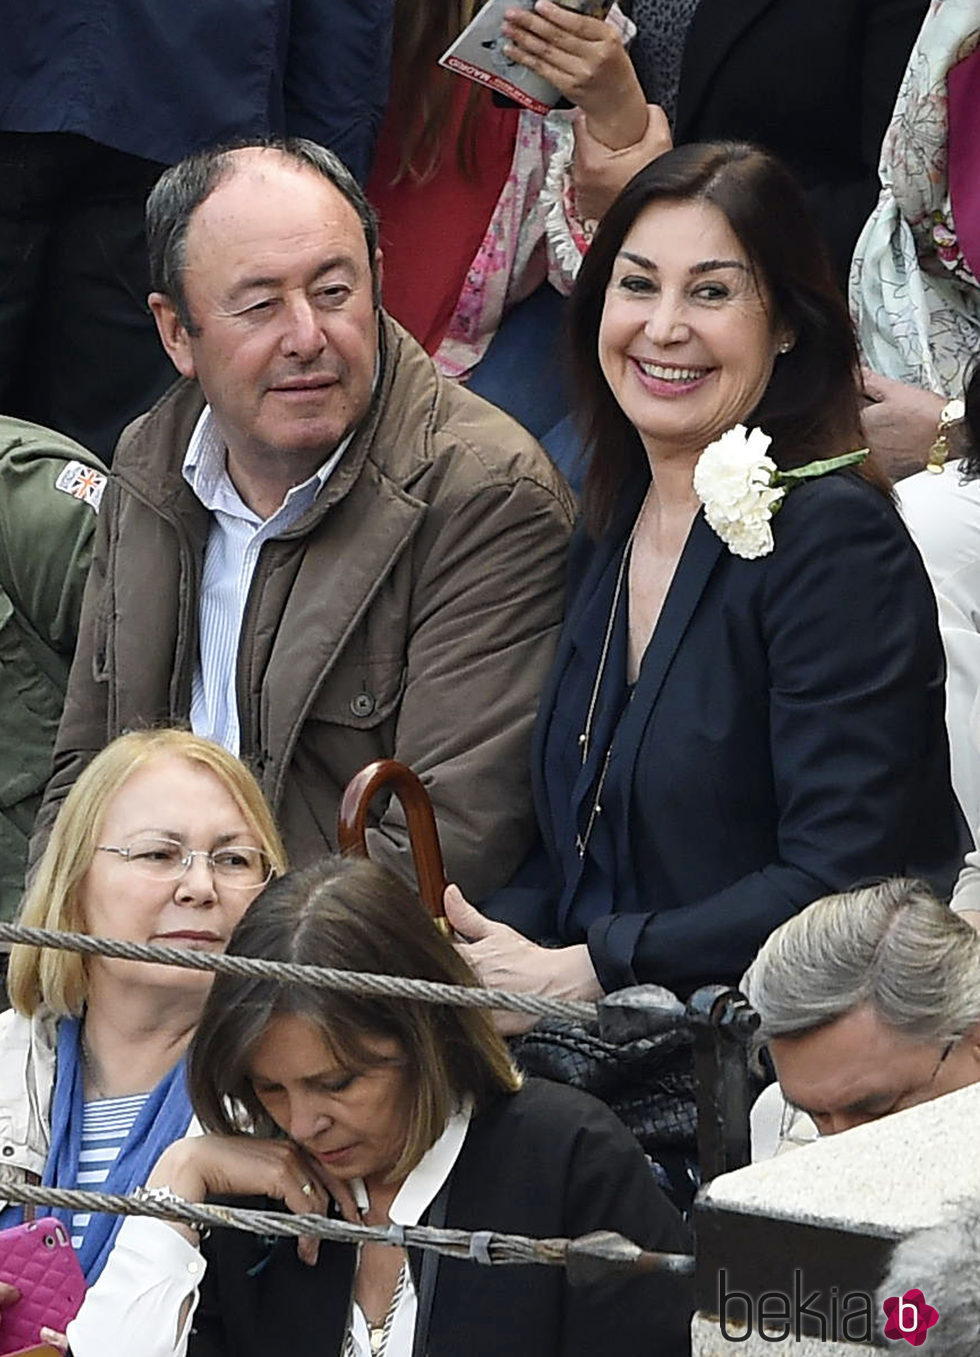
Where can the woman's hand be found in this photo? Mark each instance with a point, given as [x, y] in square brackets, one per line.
[9, 1295]
[503, 959]
[584, 58]
[232, 1166]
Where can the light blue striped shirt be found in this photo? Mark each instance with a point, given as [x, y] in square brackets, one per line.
[105, 1126]
[235, 539]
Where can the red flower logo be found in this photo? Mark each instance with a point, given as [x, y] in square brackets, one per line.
[909, 1317]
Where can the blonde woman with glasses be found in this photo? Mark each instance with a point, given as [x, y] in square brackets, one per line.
[165, 838]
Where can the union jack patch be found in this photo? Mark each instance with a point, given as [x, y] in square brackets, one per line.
[82, 482]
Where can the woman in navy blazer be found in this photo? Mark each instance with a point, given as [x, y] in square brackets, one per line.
[730, 730]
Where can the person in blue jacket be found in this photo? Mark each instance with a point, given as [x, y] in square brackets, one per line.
[98, 97]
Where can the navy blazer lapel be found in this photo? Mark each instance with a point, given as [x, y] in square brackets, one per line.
[698, 559]
[715, 27]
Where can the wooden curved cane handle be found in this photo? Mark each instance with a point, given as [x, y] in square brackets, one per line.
[422, 833]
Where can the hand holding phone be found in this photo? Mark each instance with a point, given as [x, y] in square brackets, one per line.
[39, 1261]
[569, 45]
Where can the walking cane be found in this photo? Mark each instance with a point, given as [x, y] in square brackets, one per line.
[422, 833]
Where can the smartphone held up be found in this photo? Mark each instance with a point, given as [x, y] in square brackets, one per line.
[479, 54]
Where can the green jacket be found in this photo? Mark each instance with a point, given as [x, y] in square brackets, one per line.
[49, 492]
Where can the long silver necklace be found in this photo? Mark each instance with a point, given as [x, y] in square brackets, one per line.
[584, 740]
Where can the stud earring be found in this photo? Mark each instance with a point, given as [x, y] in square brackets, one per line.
[786, 345]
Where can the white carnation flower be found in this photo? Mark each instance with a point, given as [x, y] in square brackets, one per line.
[749, 538]
[734, 480]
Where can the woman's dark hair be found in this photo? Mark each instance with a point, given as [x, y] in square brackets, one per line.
[969, 431]
[810, 408]
[422, 93]
[350, 914]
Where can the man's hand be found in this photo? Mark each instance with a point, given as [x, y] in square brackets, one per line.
[900, 424]
[584, 58]
[503, 959]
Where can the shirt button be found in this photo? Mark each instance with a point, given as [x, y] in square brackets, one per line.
[194, 1267]
[363, 704]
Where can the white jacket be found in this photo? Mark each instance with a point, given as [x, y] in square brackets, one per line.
[27, 1059]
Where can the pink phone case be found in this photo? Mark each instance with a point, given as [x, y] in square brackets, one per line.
[39, 1260]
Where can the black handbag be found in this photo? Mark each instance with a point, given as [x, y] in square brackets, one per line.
[646, 1079]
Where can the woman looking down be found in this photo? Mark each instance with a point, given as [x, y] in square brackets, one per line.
[405, 1111]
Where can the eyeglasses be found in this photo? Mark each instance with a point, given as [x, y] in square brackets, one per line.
[919, 1093]
[939, 1064]
[796, 1127]
[239, 866]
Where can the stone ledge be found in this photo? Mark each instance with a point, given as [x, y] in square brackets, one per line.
[883, 1178]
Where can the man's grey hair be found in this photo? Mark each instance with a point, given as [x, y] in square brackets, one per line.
[893, 947]
[182, 189]
[942, 1262]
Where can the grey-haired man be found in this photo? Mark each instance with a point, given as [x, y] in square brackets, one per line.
[870, 1003]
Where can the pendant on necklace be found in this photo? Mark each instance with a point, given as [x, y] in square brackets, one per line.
[376, 1336]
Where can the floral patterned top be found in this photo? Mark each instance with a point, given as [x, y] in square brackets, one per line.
[914, 297]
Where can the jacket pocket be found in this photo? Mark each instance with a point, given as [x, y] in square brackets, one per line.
[362, 696]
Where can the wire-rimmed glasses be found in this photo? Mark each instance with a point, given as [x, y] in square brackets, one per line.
[240, 866]
[797, 1127]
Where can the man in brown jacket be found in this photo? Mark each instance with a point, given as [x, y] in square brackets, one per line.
[315, 548]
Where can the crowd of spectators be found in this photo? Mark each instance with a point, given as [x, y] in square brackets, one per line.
[351, 410]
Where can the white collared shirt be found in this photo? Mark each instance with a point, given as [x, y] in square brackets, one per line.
[153, 1270]
[235, 538]
[413, 1199]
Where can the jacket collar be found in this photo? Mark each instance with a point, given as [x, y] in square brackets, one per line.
[151, 453]
[716, 26]
[698, 559]
[694, 569]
